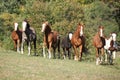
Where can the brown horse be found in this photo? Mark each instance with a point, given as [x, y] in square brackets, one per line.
[99, 42]
[78, 41]
[17, 37]
[51, 40]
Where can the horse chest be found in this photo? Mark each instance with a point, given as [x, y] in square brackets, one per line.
[49, 38]
[76, 42]
[15, 36]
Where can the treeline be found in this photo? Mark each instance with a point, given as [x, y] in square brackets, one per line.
[63, 16]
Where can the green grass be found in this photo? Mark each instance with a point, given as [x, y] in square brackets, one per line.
[15, 66]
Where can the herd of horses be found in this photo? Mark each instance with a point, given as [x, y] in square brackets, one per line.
[105, 46]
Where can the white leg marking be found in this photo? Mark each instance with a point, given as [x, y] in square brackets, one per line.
[44, 52]
[97, 61]
[114, 54]
[106, 57]
[49, 54]
[22, 47]
[29, 48]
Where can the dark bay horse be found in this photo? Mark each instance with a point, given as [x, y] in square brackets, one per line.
[110, 47]
[17, 37]
[99, 42]
[66, 45]
[51, 40]
[28, 35]
[78, 40]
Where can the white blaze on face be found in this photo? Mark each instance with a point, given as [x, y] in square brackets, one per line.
[16, 26]
[114, 36]
[70, 36]
[43, 27]
[81, 31]
[101, 32]
[24, 25]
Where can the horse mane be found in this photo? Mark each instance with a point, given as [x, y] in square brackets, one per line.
[28, 25]
[48, 28]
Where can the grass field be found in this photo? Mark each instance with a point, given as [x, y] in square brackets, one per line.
[15, 66]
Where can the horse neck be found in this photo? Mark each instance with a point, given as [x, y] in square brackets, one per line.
[77, 33]
[111, 43]
[17, 31]
[47, 30]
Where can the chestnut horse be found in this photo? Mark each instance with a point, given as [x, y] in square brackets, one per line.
[51, 40]
[28, 35]
[17, 37]
[110, 47]
[99, 42]
[78, 40]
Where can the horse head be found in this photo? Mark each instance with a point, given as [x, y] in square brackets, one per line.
[113, 35]
[70, 35]
[101, 31]
[80, 29]
[24, 25]
[15, 26]
[45, 27]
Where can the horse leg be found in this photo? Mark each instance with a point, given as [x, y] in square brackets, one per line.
[69, 56]
[76, 54]
[29, 48]
[15, 43]
[80, 55]
[97, 56]
[49, 50]
[64, 53]
[102, 54]
[106, 55]
[44, 44]
[58, 51]
[110, 57]
[114, 54]
[54, 52]
[18, 46]
[35, 47]
[22, 45]
[58, 46]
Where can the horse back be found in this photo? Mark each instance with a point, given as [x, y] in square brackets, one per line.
[51, 37]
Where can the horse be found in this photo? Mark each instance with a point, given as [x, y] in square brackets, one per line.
[28, 35]
[78, 40]
[66, 44]
[99, 42]
[16, 37]
[110, 48]
[51, 40]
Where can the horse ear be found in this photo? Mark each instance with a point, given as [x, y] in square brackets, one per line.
[47, 22]
[101, 27]
[79, 23]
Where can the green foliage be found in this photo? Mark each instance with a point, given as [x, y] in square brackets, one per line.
[63, 15]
